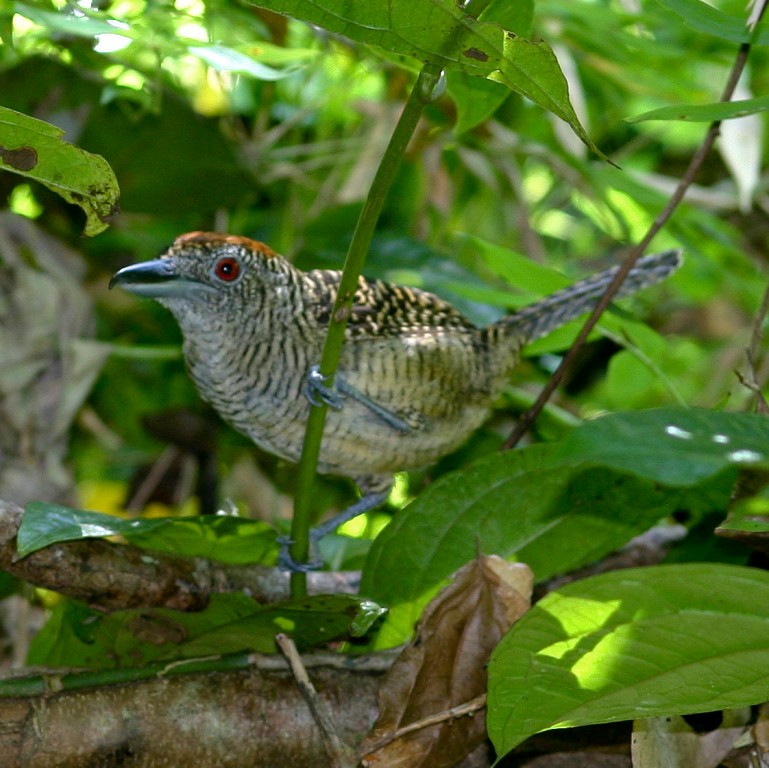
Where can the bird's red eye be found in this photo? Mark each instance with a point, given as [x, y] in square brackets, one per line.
[227, 269]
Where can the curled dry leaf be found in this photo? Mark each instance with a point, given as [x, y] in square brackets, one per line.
[445, 666]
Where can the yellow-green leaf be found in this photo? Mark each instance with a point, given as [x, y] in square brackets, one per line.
[36, 149]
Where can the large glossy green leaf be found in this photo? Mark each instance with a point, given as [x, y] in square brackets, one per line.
[675, 446]
[36, 149]
[526, 504]
[442, 33]
[631, 644]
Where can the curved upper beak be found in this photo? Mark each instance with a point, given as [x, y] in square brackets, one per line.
[157, 279]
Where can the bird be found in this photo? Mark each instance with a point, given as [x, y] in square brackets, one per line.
[415, 379]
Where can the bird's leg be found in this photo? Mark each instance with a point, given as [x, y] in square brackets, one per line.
[364, 504]
[334, 397]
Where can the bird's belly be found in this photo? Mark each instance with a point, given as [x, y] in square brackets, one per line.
[273, 413]
[359, 443]
[355, 441]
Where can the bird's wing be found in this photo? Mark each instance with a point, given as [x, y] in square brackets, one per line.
[383, 309]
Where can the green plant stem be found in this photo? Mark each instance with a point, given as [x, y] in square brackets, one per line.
[421, 94]
[69, 680]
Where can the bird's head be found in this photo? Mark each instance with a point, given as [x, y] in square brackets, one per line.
[207, 271]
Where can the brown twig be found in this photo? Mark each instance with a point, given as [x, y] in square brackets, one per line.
[461, 710]
[530, 416]
[339, 753]
[150, 482]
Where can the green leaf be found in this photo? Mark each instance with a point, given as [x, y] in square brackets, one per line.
[528, 504]
[519, 271]
[223, 538]
[311, 621]
[631, 644]
[44, 524]
[720, 110]
[36, 150]
[441, 33]
[476, 99]
[78, 636]
[748, 518]
[518, 17]
[678, 447]
[703, 17]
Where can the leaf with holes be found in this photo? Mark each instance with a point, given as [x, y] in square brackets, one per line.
[35, 149]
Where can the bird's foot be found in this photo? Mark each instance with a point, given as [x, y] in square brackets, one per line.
[318, 393]
[286, 562]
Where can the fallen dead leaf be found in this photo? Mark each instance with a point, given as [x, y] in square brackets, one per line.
[444, 667]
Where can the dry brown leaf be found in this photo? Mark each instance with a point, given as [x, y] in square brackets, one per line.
[47, 362]
[445, 666]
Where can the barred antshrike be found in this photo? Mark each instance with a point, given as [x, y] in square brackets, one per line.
[415, 379]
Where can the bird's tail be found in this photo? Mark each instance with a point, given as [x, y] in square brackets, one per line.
[537, 320]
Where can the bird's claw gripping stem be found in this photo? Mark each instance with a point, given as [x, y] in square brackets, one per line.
[365, 504]
[287, 563]
[318, 393]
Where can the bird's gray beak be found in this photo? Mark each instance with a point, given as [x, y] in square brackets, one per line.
[155, 279]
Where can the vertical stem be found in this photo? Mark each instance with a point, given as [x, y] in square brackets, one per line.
[421, 94]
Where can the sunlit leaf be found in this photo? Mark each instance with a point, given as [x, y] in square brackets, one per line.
[629, 644]
[226, 59]
[76, 23]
